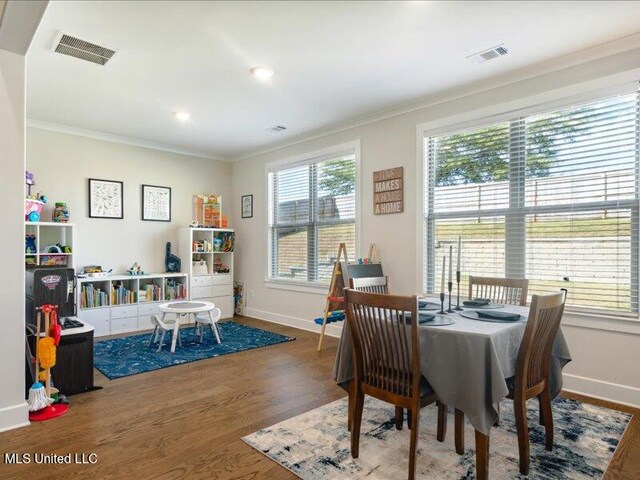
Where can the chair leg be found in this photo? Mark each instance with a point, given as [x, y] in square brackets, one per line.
[352, 404]
[399, 417]
[541, 410]
[547, 415]
[179, 338]
[357, 420]
[161, 341]
[409, 416]
[217, 333]
[413, 447]
[442, 422]
[459, 432]
[522, 427]
[155, 331]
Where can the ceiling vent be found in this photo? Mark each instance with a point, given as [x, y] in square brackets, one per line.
[489, 54]
[90, 52]
[278, 128]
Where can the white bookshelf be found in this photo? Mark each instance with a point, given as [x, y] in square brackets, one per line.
[208, 283]
[49, 233]
[134, 313]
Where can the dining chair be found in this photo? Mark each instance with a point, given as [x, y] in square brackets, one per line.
[533, 368]
[511, 291]
[370, 284]
[387, 363]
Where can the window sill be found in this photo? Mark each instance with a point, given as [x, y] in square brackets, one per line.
[601, 322]
[316, 288]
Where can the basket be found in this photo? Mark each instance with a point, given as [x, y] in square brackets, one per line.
[53, 260]
[31, 205]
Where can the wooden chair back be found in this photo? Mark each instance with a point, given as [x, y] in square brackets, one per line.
[534, 357]
[386, 350]
[511, 291]
[370, 284]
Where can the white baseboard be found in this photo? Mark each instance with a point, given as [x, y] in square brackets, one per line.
[333, 330]
[612, 392]
[14, 416]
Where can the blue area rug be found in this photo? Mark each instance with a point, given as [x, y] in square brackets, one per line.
[121, 357]
[316, 444]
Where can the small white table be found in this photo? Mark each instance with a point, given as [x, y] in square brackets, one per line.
[181, 308]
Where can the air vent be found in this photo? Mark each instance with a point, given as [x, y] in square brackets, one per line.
[489, 54]
[90, 52]
[278, 128]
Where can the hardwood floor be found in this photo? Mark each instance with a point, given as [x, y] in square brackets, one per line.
[187, 421]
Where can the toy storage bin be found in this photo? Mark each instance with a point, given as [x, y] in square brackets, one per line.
[53, 260]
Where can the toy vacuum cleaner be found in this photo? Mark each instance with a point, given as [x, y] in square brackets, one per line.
[43, 398]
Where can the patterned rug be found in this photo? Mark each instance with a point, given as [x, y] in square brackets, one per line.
[316, 444]
[121, 357]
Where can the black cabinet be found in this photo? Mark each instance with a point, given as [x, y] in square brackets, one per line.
[73, 372]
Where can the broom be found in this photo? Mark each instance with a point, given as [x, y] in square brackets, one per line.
[38, 398]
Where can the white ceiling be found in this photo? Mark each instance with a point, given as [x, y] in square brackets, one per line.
[333, 62]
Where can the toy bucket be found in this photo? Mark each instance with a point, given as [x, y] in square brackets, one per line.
[30, 206]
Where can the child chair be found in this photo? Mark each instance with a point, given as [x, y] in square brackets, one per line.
[209, 318]
[167, 325]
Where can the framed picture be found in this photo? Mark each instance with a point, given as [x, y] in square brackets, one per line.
[106, 199]
[156, 203]
[247, 206]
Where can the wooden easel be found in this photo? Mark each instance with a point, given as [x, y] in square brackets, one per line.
[335, 298]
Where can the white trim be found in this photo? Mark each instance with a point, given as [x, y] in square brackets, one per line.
[523, 106]
[592, 321]
[347, 148]
[124, 140]
[14, 416]
[609, 49]
[419, 287]
[297, 286]
[602, 390]
[333, 330]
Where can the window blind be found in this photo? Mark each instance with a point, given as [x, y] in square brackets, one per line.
[312, 210]
[551, 197]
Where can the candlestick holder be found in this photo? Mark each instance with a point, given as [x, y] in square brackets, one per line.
[458, 307]
[450, 288]
[442, 312]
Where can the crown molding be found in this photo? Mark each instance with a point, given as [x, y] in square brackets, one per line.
[109, 137]
[549, 66]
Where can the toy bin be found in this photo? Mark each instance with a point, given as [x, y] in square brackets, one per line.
[53, 260]
[31, 208]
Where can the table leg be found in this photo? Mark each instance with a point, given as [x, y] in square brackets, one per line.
[482, 456]
[174, 338]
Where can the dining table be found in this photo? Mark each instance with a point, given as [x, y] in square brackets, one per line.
[467, 363]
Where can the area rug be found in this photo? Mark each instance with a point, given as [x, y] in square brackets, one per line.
[316, 444]
[121, 357]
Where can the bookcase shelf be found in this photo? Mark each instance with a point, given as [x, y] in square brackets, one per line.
[205, 251]
[134, 314]
[46, 234]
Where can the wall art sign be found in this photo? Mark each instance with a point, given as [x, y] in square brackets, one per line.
[156, 203]
[106, 199]
[388, 191]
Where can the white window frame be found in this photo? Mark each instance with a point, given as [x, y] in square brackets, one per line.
[500, 113]
[348, 148]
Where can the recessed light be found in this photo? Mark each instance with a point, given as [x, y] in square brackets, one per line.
[262, 73]
[182, 116]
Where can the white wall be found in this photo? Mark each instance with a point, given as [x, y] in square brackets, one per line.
[13, 408]
[393, 142]
[62, 163]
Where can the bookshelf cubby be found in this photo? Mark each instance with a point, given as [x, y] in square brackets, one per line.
[127, 302]
[210, 269]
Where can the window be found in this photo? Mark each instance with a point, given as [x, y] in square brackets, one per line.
[312, 210]
[551, 197]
